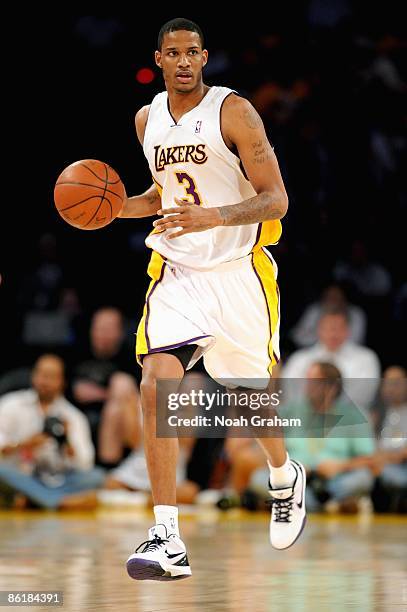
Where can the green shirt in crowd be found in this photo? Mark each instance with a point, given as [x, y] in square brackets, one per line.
[341, 433]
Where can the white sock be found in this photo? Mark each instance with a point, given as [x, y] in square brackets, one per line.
[283, 476]
[168, 516]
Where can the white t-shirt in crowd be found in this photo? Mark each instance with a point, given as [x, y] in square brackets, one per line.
[352, 360]
[21, 417]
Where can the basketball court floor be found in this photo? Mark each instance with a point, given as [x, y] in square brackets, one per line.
[340, 563]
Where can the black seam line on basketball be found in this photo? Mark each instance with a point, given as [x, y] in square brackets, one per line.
[88, 185]
[102, 197]
[81, 202]
[107, 176]
[101, 179]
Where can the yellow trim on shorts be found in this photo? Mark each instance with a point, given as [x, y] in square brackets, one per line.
[264, 269]
[270, 233]
[155, 271]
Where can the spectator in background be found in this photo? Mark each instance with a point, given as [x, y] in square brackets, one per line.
[390, 461]
[336, 456]
[45, 444]
[352, 360]
[369, 278]
[48, 307]
[105, 391]
[333, 297]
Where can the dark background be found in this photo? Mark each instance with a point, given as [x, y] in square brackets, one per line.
[328, 79]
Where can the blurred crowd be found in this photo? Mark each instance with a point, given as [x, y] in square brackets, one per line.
[330, 86]
[72, 438]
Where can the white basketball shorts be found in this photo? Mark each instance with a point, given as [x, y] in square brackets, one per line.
[231, 313]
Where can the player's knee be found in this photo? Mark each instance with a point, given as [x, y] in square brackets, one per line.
[155, 368]
[148, 390]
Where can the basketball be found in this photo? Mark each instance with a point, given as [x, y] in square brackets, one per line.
[89, 194]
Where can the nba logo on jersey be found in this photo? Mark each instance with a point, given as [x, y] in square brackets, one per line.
[198, 127]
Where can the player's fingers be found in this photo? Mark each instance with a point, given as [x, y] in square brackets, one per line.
[167, 211]
[172, 224]
[161, 221]
[183, 203]
[177, 223]
[166, 221]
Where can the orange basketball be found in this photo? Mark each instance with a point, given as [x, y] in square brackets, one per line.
[89, 194]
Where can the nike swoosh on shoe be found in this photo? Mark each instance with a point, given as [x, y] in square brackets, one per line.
[299, 470]
[174, 555]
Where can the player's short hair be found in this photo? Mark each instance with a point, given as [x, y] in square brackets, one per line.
[174, 25]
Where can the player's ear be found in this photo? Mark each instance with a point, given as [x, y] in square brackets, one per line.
[204, 57]
[157, 57]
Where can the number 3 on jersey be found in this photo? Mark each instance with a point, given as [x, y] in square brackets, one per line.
[189, 185]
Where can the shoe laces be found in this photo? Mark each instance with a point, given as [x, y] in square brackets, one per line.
[281, 509]
[151, 545]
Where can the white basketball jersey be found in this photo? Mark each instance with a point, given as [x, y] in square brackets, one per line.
[190, 160]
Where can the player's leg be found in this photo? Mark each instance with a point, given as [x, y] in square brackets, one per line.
[171, 336]
[163, 555]
[287, 478]
[161, 453]
[252, 338]
[287, 491]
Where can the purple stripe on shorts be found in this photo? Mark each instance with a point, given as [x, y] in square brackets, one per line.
[148, 305]
[177, 344]
[268, 309]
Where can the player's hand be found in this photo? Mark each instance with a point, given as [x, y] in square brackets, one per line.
[189, 217]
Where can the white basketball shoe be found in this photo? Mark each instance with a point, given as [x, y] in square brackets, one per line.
[288, 511]
[161, 557]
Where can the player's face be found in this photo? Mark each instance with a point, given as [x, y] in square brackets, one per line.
[181, 59]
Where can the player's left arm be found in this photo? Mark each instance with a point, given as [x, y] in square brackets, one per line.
[243, 128]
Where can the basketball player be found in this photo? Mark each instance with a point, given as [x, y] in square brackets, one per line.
[213, 293]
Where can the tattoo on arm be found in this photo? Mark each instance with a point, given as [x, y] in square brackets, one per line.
[251, 118]
[144, 205]
[267, 205]
[153, 197]
[261, 151]
[262, 207]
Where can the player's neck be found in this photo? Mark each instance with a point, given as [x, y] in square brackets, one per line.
[181, 103]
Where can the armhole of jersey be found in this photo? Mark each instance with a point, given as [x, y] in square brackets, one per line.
[154, 100]
[146, 126]
[148, 116]
[233, 151]
[220, 124]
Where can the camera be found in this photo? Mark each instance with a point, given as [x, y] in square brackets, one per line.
[54, 427]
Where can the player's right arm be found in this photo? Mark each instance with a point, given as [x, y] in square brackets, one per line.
[146, 204]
